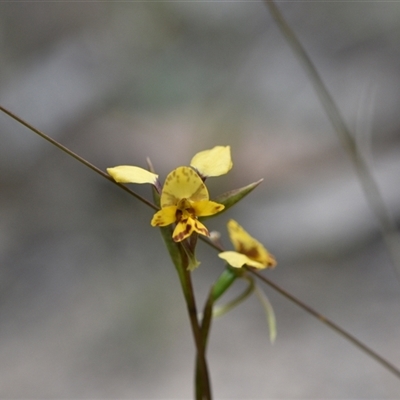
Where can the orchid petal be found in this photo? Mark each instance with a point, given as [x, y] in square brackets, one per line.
[185, 228]
[132, 174]
[205, 208]
[164, 217]
[214, 162]
[183, 183]
[238, 260]
[247, 245]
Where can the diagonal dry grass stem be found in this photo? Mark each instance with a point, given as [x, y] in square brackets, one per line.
[77, 157]
[371, 190]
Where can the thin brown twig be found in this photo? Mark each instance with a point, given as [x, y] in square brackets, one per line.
[329, 323]
[77, 157]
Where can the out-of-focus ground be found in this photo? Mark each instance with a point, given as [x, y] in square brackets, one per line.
[90, 305]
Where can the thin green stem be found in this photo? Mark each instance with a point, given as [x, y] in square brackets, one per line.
[181, 261]
[203, 387]
[77, 157]
[205, 327]
[364, 348]
[371, 190]
[220, 286]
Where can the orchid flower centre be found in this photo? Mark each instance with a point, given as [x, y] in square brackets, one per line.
[184, 198]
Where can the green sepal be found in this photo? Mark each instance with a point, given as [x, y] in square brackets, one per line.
[230, 198]
[189, 246]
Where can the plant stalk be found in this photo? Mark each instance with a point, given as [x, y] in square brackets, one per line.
[371, 190]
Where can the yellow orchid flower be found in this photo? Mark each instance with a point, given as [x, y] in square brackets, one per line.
[249, 251]
[184, 198]
[214, 162]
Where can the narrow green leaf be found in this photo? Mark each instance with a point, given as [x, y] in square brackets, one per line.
[269, 312]
[221, 310]
[230, 198]
[223, 283]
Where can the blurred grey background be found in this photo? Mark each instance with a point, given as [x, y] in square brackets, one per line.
[90, 305]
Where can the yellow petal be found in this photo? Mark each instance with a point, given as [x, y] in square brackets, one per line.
[185, 228]
[238, 260]
[183, 183]
[205, 208]
[214, 162]
[164, 217]
[247, 245]
[182, 230]
[200, 228]
[131, 174]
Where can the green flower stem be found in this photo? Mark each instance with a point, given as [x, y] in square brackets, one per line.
[181, 258]
[181, 262]
[222, 284]
[203, 389]
[205, 329]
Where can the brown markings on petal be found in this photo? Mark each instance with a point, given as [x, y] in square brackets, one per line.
[187, 172]
[201, 229]
[252, 253]
[181, 235]
[178, 215]
[157, 221]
